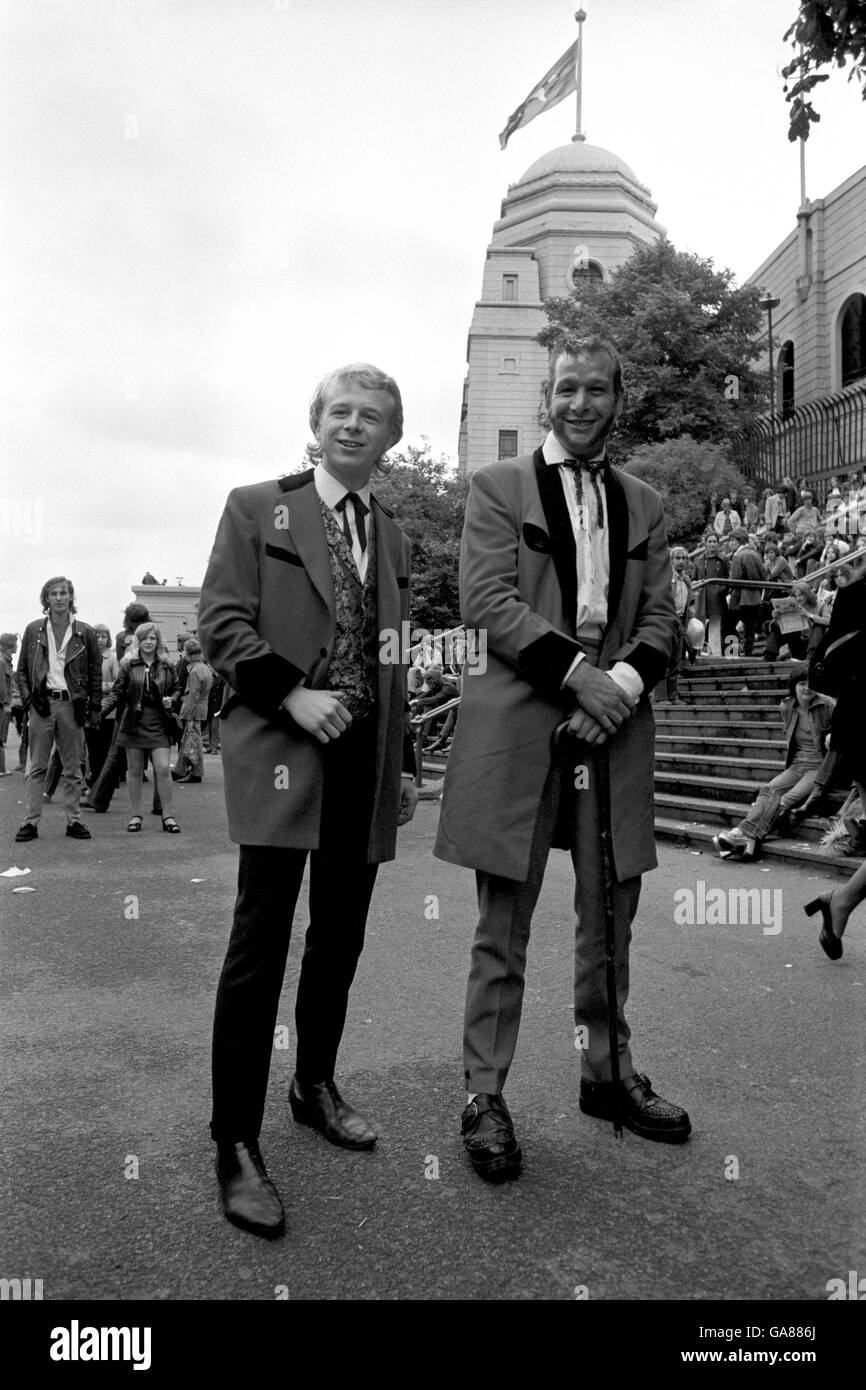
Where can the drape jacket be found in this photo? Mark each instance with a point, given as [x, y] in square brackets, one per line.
[518, 591]
[266, 621]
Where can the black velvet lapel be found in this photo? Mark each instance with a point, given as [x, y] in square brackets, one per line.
[555, 509]
[617, 531]
[291, 481]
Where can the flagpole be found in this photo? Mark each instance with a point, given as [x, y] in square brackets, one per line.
[580, 16]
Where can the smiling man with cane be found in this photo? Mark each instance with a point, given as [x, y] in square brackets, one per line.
[564, 565]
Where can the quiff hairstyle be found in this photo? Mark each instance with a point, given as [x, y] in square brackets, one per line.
[371, 379]
[584, 347]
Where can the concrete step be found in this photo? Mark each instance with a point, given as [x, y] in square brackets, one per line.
[729, 789]
[736, 695]
[697, 742]
[760, 678]
[755, 769]
[736, 712]
[802, 852]
[697, 810]
[707, 665]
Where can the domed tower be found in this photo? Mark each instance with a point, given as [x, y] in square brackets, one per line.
[577, 211]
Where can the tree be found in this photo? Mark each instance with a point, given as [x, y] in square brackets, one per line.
[686, 473]
[428, 499]
[687, 338]
[824, 32]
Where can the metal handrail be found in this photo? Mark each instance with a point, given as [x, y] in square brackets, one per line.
[417, 722]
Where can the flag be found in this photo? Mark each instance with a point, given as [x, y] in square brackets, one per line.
[553, 87]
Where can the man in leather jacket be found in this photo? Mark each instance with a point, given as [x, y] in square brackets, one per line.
[60, 682]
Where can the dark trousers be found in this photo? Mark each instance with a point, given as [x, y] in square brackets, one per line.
[102, 789]
[269, 880]
[98, 743]
[749, 616]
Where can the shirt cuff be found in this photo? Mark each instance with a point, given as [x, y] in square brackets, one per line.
[627, 679]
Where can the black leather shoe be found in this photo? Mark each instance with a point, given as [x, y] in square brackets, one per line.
[180, 780]
[27, 831]
[489, 1138]
[248, 1197]
[641, 1110]
[77, 831]
[320, 1105]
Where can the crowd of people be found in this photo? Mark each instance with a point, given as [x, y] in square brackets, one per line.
[783, 540]
[92, 712]
[778, 580]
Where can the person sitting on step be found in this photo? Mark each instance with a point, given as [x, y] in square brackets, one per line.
[808, 766]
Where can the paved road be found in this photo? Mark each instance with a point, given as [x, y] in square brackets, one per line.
[105, 1045]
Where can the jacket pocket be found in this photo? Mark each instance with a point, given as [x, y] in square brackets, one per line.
[276, 552]
[640, 551]
[536, 539]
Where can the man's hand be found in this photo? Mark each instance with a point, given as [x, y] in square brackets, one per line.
[600, 697]
[585, 728]
[318, 712]
[408, 801]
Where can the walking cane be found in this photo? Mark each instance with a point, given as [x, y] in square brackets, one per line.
[559, 743]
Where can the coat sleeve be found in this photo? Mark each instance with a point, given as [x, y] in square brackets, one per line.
[23, 669]
[649, 645]
[94, 672]
[489, 595]
[118, 690]
[228, 610]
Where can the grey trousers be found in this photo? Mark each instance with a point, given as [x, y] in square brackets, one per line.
[494, 995]
[59, 726]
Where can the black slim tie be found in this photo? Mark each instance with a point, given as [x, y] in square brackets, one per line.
[360, 512]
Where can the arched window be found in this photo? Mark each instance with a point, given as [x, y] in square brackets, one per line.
[786, 372]
[581, 272]
[854, 340]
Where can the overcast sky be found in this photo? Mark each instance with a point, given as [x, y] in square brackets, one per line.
[210, 203]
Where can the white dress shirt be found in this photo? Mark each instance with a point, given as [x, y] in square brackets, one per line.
[56, 678]
[592, 551]
[331, 492]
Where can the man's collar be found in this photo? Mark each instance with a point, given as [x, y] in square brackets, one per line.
[554, 451]
[332, 491]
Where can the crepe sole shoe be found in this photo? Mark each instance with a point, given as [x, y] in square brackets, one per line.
[247, 1196]
[640, 1109]
[489, 1139]
[320, 1105]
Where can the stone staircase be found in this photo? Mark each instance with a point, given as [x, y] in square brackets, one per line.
[716, 746]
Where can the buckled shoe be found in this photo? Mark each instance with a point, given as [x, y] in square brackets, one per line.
[489, 1138]
[640, 1109]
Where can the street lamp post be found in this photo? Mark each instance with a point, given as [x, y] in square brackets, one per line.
[769, 302]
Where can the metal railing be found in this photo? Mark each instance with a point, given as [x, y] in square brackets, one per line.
[814, 441]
